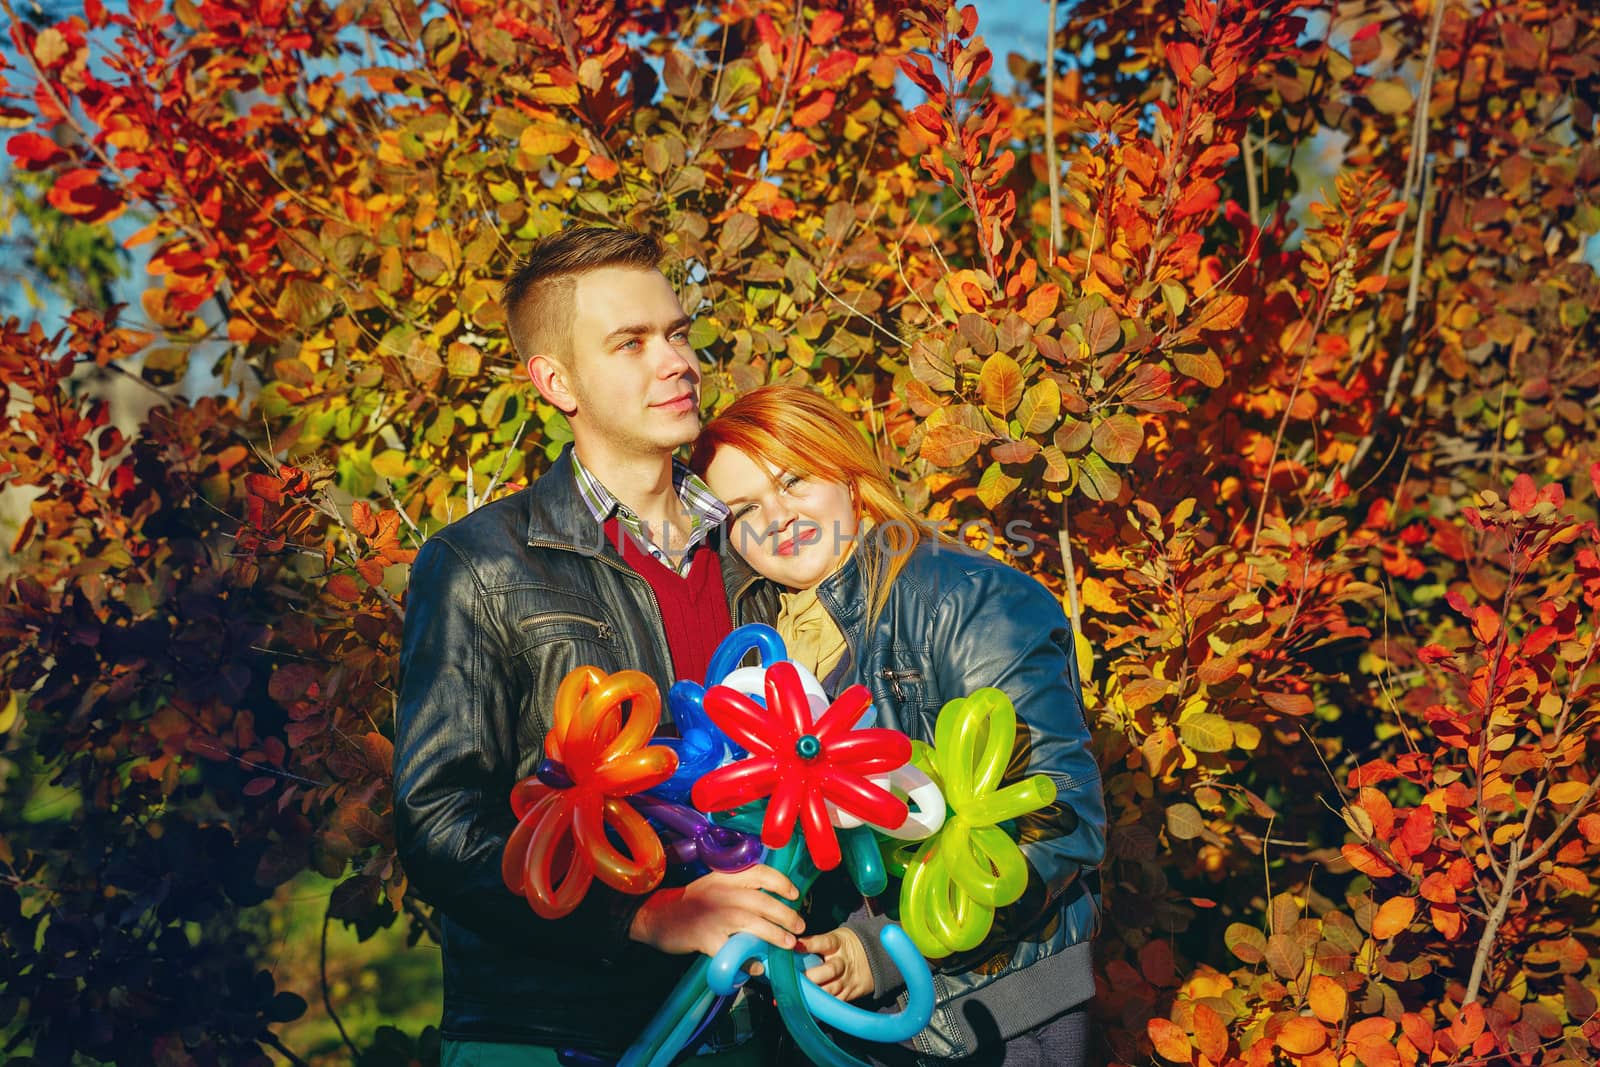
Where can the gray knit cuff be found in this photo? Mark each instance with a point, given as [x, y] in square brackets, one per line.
[886, 978]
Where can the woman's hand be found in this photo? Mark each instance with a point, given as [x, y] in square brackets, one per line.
[844, 971]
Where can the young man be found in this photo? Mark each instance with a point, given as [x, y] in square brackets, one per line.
[611, 558]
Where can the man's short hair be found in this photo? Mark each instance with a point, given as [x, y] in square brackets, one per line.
[538, 297]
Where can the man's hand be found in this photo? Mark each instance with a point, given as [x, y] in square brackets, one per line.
[701, 916]
[844, 971]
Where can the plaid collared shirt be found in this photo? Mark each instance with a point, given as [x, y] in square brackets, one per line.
[705, 511]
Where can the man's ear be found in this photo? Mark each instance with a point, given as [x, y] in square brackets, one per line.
[550, 378]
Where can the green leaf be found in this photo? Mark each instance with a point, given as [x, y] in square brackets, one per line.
[995, 486]
[704, 332]
[1096, 480]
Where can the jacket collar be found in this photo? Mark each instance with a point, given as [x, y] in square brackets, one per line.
[844, 592]
[558, 518]
[557, 515]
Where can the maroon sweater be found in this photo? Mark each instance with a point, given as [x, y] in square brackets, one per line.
[694, 607]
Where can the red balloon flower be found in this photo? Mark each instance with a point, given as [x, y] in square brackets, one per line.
[560, 844]
[801, 766]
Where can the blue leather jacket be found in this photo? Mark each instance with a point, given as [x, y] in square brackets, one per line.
[956, 621]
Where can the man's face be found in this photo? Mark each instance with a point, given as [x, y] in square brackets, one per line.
[631, 371]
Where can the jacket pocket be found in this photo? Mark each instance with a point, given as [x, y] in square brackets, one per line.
[550, 645]
[549, 626]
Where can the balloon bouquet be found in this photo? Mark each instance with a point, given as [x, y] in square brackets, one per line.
[774, 772]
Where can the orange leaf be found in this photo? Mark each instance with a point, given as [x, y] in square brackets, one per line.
[344, 587]
[1468, 1025]
[1170, 1041]
[1485, 624]
[1376, 1053]
[1301, 1036]
[1395, 915]
[600, 168]
[1327, 999]
[814, 110]
[825, 26]
[1367, 861]
[1183, 57]
[1372, 1028]
[1041, 303]
[1209, 1033]
[949, 445]
[1223, 312]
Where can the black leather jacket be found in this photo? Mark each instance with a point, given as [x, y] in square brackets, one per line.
[502, 604]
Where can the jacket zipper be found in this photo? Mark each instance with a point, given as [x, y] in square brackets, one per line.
[894, 679]
[602, 628]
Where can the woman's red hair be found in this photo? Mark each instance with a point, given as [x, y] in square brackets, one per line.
[801, 432]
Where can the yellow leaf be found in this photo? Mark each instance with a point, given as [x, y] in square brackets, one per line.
[1390, 97]
[1568, 793]
[8, 716]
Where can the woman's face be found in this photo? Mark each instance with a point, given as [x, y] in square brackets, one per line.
[793, 530]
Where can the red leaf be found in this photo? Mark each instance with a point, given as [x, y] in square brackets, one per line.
[1524, 494]
[920, 71]
[344, 587]
[1203, 197]
[35, 152]
[836, 67]
[1183, 58]
[256, 786]
[79, 193]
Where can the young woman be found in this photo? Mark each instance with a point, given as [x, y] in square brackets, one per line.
[874, 597]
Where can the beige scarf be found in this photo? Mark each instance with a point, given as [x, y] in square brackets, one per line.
[813, 639]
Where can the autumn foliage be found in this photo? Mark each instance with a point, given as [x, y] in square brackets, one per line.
[1264, 330]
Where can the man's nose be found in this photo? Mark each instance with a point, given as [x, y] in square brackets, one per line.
[676, 362]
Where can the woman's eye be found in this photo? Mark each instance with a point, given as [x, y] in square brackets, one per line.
[743, 511]
[791, 481]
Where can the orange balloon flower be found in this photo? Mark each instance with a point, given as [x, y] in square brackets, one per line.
[560, 844]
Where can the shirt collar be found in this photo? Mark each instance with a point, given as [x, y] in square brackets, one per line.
[694, 494]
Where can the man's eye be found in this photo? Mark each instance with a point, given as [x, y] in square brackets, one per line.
[681, 335]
